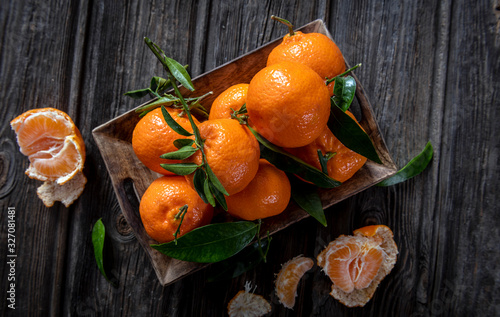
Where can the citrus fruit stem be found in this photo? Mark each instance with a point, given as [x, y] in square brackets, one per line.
[263, 253]
[240, 115]
[285, 22]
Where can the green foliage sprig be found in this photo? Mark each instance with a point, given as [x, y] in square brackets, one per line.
[157, 88]
[206, 184]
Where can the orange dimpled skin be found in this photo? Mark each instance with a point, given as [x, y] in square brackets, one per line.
[232, 98]
[160, 206]
[344, 163]
[232, 153]
[267, 194]
[370, 231]
[153, 137]
[288, 104]
[314, 50]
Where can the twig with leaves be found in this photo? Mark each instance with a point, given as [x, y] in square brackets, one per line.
[205, 181]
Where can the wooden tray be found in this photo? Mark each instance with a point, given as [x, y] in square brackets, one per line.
[131, 178]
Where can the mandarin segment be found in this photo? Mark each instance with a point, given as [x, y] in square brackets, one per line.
[338, 263]
[153, 137]
[364, 268]
[41, 130]
[58, 160]
[289, 277]
[266, 195]
[161, 204]
[357, 264]
[288, 104]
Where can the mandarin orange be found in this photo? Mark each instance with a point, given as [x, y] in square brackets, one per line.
[153, 137]
[161, 205]
[344, 163]
[56, 151]
[232, 98]
[52, 143]
[266, 195]
[314, 50]
[288, 104]
[357, 264]
[232, 152]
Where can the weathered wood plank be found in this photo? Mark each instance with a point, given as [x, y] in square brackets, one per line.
[35, 72]
[429, 69]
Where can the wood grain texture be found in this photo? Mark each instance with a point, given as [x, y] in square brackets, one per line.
[430, 70]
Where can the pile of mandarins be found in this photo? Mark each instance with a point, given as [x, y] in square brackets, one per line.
[287, 102]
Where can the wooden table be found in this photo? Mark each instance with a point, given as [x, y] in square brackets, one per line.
[430, 69]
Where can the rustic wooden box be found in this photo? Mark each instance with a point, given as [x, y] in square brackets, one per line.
[131, 178]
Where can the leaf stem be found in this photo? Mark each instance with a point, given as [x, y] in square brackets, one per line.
[182, 212]
[328, 81]
[263, 253]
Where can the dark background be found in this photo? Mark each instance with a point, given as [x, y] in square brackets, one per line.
[430, 70]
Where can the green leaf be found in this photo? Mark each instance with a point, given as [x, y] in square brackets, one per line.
[416, 166]
[180, 168]
[214, 180]
[173, 124]
[234, 266]
[179, 72]
[323, 160]
[164, 100]
[98, 234]
[307, 197]
[208, 192]
[159, 84]
[351, 135]
[344, 91]
[219, 196]
[198, 182]
[138, 94]
[291, 164]
[211, 243]
[181, 154]
[180, 143]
